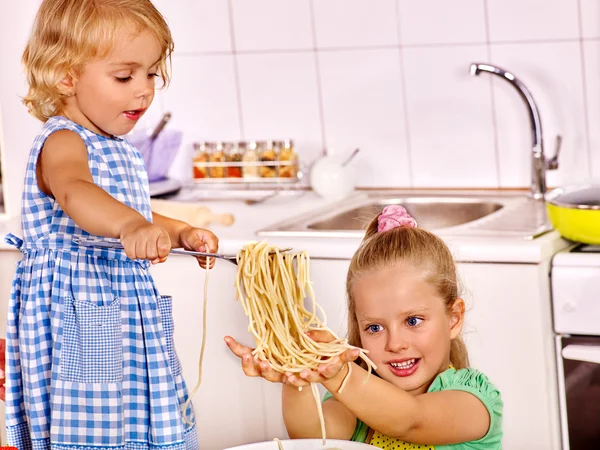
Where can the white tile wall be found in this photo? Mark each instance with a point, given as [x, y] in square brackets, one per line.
[442, 97]
[522, 20]
[459, 21]
[279, 99]
[552, 72]
[590, 18]
[272, 24]
[389, 76]
[355, 23]
[372, 119]
[592, 77]
[198, 25]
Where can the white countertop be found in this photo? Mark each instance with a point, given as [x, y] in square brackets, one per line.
[251, 218]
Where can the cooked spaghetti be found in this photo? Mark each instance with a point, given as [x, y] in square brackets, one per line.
[272, 287]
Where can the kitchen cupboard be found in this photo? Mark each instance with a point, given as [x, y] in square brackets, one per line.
[508, 331]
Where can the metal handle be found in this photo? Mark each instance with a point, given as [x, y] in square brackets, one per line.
[552, 163]
[585, 353]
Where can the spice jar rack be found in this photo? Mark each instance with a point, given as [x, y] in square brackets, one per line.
[246, 162]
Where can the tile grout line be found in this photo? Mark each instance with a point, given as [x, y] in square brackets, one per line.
[404, 91]
[488, 47]
[381, 47]
[313, 27]
[585, 89]
[236, 71]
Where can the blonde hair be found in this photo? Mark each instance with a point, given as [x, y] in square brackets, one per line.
[68, 34]
[418, 248]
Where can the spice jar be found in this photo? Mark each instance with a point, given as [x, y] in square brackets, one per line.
[287, 154]
[216, 155]
[267, 154]
[250, 159]
[234, 155]
[199, 160]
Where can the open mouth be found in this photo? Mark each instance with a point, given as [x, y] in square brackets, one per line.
[134, 114]
[404, 368]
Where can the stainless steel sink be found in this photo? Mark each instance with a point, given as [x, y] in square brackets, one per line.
[429, 213]
[473, 213]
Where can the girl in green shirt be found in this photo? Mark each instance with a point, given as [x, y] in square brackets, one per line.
[404, 308]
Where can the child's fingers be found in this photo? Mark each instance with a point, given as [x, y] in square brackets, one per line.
[268, 373]
[295, 380]
[236, 348]
[350, 355]
[320, 335]
[311, 376]
[202, 262]
[250, 366]
[163, 245]
[331, 368]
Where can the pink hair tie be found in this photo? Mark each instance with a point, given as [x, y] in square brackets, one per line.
[394, 216]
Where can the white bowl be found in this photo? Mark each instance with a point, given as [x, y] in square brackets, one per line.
[305, 444]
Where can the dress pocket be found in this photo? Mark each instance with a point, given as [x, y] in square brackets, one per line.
[165, 308]
[92, 343]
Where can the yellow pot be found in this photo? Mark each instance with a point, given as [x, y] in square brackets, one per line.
[574, 212]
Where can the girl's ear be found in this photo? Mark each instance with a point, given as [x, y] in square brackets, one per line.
[457, 315]
[66, 86]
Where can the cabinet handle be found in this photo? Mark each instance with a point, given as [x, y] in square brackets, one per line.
[586, 353]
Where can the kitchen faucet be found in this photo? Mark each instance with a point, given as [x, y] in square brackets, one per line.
[539, 163]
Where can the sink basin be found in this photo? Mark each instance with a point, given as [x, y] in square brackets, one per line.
[450, 213]
[430, 213]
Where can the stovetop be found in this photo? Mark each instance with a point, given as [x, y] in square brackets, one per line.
[584, 248]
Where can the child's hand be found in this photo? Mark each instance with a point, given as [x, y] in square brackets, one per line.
[144, 240]
[251, 366]
[326, 371]
[199, 240]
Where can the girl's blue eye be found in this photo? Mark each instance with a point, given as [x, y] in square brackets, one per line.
[372, 329]
[122, 79]
[152, 75]
[413, 321]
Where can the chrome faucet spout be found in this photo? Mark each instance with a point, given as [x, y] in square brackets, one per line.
[539, 165]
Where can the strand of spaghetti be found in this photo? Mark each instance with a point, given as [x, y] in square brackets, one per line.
[273, 288]
[202, 346]
[315, 392]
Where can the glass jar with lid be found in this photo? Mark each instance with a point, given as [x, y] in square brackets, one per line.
[234, 155]
[250, 160]
[216, 155]
[199, 160]
[267, 153]
[289, 159]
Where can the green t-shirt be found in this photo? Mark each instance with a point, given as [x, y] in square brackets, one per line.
[468, 380]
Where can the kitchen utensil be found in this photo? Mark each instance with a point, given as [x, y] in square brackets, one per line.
[332, 177]
[574, 211]
[190, 212]
[158, 148]
[175, 251]
[351, 157]
[305, 444]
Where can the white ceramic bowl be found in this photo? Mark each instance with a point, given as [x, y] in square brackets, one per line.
[330, 179]
[305, 444]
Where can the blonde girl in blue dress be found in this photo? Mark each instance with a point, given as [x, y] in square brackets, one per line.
[404, 308]
[90, 357]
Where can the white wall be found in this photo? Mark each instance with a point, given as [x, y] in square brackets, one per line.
[389, 76]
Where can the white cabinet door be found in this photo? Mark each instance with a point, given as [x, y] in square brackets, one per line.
[228, 406]
[509, 336]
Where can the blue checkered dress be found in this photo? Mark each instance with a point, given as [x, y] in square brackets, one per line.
[90, 358]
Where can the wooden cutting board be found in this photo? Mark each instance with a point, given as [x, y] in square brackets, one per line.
[192, 213]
